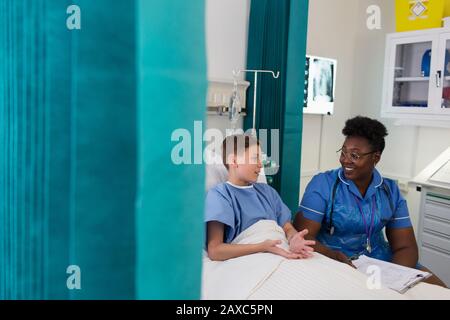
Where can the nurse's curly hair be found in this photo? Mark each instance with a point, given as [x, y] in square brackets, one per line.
[373, 130]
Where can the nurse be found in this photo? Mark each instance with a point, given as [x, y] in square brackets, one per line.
[347, 209]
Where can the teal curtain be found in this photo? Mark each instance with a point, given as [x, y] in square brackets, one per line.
[68, 174]
[277, 41]
[172, 75]
[84, 115]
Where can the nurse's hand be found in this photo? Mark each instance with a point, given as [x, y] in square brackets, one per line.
[272, 247]
[341, 257]
[298, 244]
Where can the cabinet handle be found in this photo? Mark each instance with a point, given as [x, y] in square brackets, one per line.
[438, 78]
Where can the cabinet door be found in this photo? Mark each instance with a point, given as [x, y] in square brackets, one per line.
[442, 100]
[411, 74]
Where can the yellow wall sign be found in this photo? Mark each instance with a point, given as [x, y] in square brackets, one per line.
[419, 14]
[447, 8]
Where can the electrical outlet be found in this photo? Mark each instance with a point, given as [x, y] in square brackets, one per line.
[403, 186]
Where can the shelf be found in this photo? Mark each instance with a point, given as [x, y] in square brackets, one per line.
[221, 111]
[417, 79]
[414, 79]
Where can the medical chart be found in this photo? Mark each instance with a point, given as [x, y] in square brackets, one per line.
[393, 276]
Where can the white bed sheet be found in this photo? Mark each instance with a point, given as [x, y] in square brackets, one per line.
[267, 276]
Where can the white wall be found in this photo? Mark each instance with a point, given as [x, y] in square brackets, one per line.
[226, 36]
[226, 43]
[408, 149]
[331, 33]
[340, 32]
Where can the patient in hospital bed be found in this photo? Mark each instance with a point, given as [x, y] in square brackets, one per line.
[234, 206]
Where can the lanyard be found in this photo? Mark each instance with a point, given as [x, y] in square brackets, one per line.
[368, 229]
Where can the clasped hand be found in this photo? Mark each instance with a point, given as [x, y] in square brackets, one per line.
[299, 247]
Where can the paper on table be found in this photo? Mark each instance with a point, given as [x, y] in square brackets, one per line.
[393, 276]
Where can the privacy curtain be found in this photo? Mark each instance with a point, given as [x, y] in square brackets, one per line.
[172, 95]
[277, 41]
[85, 171]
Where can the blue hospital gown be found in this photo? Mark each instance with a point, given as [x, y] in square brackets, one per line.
[240, 207]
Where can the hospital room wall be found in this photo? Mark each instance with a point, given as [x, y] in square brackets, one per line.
[409, 149]
[338, 32]
[358, 92]
[226, 31]
[226, 38]
[331, 33]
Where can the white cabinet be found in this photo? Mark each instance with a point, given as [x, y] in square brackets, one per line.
[434, 219]
[417, 75]
[434, 232]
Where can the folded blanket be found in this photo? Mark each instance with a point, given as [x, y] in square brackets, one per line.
[261, 231]
[238, 278]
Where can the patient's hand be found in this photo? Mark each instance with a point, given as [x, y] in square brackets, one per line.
[299, 245]
[272, 247]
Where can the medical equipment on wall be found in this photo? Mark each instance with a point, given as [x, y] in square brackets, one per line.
[235, 104]
[223, 95]
[255, 88]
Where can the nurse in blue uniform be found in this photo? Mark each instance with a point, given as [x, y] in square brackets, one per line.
[347, 210]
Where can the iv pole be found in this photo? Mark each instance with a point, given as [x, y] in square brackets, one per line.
[275, 76]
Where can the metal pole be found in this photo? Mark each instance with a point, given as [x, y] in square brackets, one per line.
[275, 76]
[254, 103]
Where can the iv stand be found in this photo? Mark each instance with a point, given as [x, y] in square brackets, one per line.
[275, 76]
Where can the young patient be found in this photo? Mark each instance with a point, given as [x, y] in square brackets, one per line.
[239, 203]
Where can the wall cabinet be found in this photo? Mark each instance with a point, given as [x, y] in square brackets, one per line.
[417, 75]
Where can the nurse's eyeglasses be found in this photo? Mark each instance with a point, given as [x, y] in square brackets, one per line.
[353, 156]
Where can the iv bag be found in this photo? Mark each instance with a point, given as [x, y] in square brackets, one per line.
[235, 107]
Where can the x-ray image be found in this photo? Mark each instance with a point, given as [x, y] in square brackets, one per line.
[320, 75]
[322, 80]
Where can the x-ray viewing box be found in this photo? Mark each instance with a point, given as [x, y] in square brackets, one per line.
[434, 218]
[320, 83]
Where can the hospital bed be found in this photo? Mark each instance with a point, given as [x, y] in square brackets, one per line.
[265, 276]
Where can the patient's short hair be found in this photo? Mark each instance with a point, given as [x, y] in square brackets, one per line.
[236, 144]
